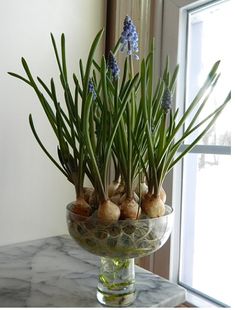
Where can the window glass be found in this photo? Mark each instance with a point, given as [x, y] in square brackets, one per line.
[207, 245]
[209, 40]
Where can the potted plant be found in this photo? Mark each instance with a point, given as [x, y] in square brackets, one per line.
[124, 120]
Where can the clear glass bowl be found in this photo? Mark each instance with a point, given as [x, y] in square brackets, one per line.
[120, 239]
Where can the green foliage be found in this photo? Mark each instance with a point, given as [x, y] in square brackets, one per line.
[126, 122]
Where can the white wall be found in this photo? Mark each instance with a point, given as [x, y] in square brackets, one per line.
[33, 194]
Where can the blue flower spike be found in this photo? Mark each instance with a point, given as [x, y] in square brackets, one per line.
[91, 89]
[113, 66]
[166, 100]
[129, 38]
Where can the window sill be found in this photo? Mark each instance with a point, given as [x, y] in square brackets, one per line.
[194, 300]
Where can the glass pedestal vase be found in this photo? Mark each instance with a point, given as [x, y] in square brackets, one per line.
[116, 286]
[118, 243]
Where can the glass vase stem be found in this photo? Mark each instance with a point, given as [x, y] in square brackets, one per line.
[116, 286]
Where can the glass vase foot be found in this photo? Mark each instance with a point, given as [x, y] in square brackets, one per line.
[116, 286]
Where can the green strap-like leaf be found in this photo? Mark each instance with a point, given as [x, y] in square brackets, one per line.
[63, 57]
[214, 115]
[19, 77]
[147, 124]
[100, 184]
[43, 148]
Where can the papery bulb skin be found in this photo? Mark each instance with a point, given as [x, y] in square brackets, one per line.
[130, 209]
[108, 211]
[153, 206]
[162, 195]
[116, 198]
[136, 198]
[81, 207]
[123, 197]
[142, 189]
[94, 200]
[112, 188]
[87, 192]
[120, 189]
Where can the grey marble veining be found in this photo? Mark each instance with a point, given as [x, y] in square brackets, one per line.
[56, 272]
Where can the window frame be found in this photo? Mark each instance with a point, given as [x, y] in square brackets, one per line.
[174, 45]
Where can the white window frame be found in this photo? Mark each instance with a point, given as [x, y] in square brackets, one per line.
[174, 36]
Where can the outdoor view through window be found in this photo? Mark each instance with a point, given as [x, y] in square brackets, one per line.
[207, 237]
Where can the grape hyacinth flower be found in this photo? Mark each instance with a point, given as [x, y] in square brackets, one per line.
[166, 100]
[113, 66]
[91, 89]
[129, 38]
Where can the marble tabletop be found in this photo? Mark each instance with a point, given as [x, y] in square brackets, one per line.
[56, 272]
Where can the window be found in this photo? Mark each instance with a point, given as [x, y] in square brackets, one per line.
[204, 242]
